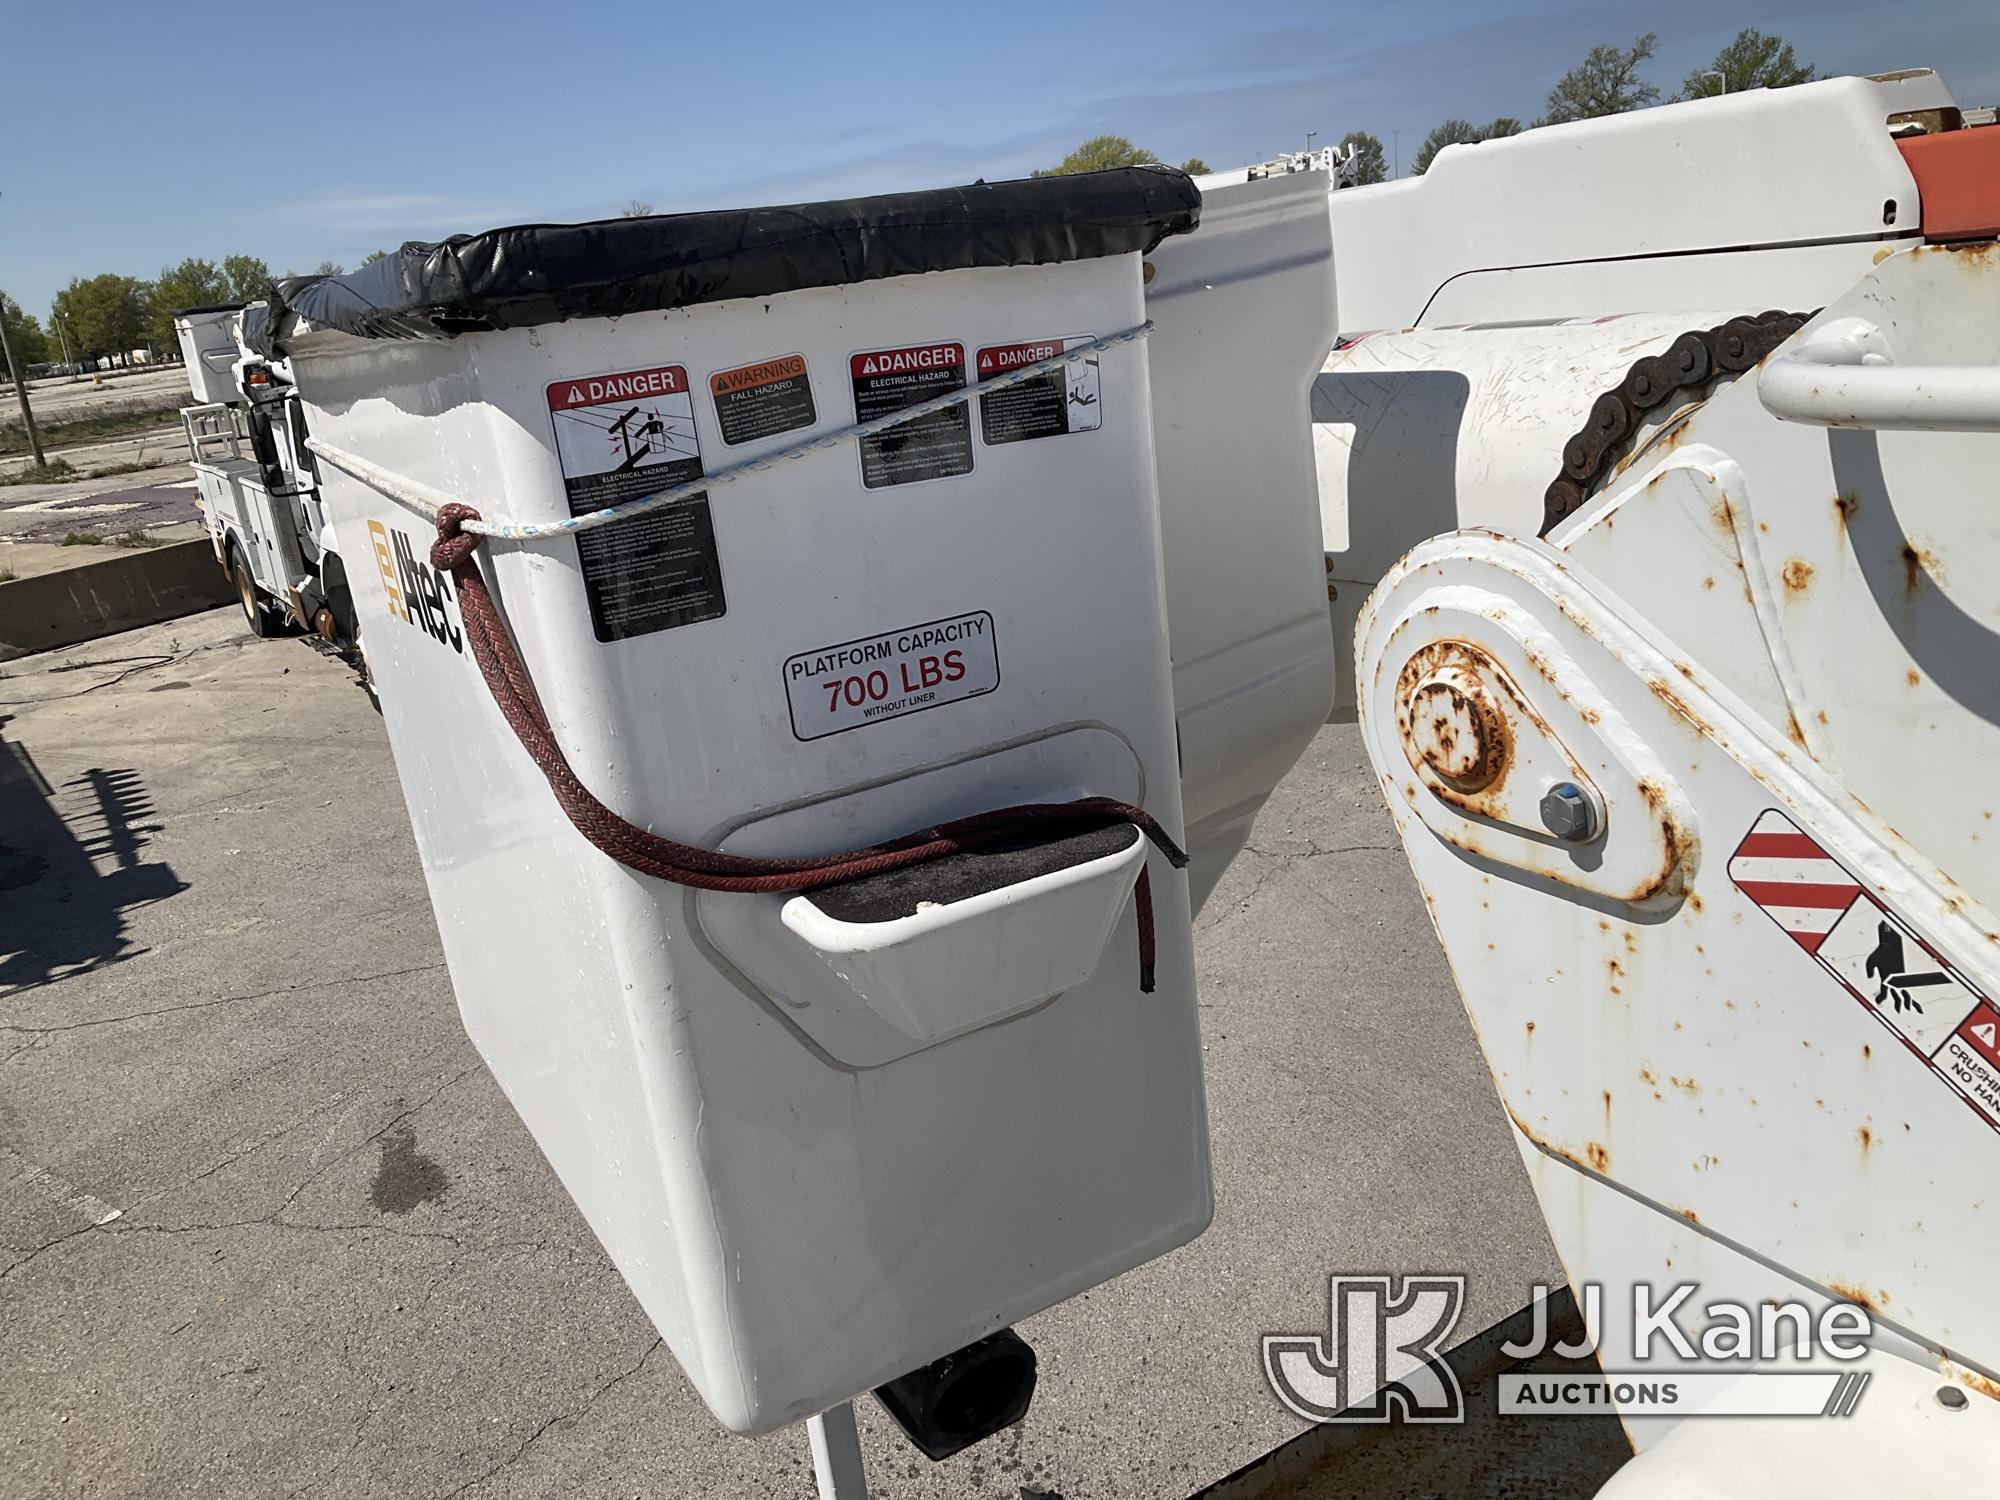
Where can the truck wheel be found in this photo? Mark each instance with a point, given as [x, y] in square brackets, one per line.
[259, 618]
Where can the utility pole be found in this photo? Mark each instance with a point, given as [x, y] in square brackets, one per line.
[21, 390]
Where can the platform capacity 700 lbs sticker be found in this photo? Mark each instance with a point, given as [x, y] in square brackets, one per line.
[897, 672]
[1877, 957]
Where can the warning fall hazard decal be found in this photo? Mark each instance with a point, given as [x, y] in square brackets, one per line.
[1876, 956]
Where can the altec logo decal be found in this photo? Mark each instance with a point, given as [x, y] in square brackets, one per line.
[418, 593]
[1877, 957]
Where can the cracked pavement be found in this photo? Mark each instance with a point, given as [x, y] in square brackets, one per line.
[268, 1227]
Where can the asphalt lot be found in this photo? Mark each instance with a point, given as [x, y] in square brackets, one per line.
[267, 1226]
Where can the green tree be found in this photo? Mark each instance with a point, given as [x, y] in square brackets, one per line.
[31, 345]
[105, 314]
[192, 283]
[1194, 166]
[1451, 133]
[1605, 83]
[638, 208]
[1370, 163]
[1501, 128]
[374, 255]
[249, 278]
[1752, 61]
[1098, 153]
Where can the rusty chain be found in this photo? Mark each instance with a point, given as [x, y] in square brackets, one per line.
[1689, 364]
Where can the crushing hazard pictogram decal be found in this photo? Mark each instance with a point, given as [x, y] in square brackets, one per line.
[1877, 957]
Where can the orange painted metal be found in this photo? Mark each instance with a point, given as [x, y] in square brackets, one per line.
[1958, 182]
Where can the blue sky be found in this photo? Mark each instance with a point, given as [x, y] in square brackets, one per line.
[311, 133]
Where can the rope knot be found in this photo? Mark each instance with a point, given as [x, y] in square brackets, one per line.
[454, 543]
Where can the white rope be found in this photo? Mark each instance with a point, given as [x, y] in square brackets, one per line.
[427, 501]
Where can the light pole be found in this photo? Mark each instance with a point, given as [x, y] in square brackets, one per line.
[20, 389]
[1724, 82]
[62, 332]
[21, 392]
[1396, 144]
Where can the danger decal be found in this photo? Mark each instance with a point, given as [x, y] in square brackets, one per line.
[1063, 400]
[885, 676]
[762, 400]
[622, 437]
[1877, 957]
[937, 446]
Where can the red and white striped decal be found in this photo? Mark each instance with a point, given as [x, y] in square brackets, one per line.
[1877, 957]
[1793, 879]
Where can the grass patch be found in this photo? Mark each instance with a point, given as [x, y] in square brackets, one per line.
[82, 539]
[136, 539]
[111, 424]
[112, 471]
[54, 469]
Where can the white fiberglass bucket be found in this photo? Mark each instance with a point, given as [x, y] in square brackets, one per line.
[826, 1140]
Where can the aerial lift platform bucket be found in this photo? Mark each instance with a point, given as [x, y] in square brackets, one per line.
[828, 1132]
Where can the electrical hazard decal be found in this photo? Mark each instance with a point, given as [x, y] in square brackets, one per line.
[1065, 399]
[937, 446]
[762, 400]
[885, 676]
[623, 437]
[1876, 956]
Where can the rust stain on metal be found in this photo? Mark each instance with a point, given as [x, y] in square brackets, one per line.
[1599, 1157]
[1845, 504]
[1686, 1085]
[1694, 900]
[1970, 1379]
[1723, 515]
[1917, 562]
[1866, 1137]
[1664, 691]
[1647, 1075]
[1689, 1214]
[1873, 1301]
[1912, 677]
[1450, 725]
[1796, 734]
[1798, 575]
[1531, 1028]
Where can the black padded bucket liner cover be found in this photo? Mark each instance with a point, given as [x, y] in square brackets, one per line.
[532, 274]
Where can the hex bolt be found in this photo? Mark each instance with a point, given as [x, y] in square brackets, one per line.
[1569, 813]
[1951, 1398]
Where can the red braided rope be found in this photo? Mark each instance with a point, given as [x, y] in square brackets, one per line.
[709, 869]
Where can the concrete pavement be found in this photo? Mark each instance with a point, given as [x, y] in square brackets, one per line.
[270, 1228]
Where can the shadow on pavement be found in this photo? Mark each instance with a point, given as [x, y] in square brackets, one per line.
[67, 879]
[1486, 1457]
